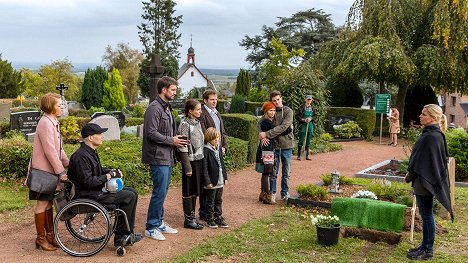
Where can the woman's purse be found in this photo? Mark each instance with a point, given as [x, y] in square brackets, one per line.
[268, 158]
[41, 181]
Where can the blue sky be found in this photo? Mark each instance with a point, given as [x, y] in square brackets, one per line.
[47, 30]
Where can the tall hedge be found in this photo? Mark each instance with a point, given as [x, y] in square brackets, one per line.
[113, 98]
[14, 157]
[244, 83]
[243, 126]
[235, 158]
[93, 86]
[250, 106]
[364, 117]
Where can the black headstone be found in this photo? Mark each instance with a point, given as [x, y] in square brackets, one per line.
[25, 121]
[97, 114]
[178, 105]
[337, 120]
[119, 116]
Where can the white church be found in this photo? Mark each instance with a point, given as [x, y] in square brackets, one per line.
[190, 76]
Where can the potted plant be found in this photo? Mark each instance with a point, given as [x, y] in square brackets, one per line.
[328, 229]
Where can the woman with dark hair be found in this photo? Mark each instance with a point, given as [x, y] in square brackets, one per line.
[427, 170]
[49, 156]
[191, 157]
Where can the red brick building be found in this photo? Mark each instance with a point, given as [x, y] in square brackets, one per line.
[456, 109]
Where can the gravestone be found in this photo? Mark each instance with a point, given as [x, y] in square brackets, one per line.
[97, 114]
[74, 105]
[110, 122]
[178, 104]
[337, 120]
[156, 71]
[258, 111]
[139, 133]
[119, 116]
[4, 111]
[30, 137]
[24, 121]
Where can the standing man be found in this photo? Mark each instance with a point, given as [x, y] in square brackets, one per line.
[304, 116]
[159, 140]
[283, 146]
[210, 117]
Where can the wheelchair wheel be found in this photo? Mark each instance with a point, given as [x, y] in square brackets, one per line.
[87, 232]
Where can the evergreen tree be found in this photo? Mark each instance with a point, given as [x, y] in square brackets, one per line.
[244, 83]
[158, 34]
[113, 97]
[93, 85]
[11, 84]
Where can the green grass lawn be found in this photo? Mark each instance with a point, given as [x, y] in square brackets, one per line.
[288, 236]
[13, 197]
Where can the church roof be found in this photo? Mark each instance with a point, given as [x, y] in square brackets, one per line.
[464, 106]
[185, 67]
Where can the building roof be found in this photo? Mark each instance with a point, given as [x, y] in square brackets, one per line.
[185, 67]
[464, 106]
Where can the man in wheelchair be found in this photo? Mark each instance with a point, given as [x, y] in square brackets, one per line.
[90, 178]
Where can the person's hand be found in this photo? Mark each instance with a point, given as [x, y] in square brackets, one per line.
[265, 142]
[179, 142]
[119, 172]
[225, 182]
[109, 176]
[223, 150]
[189, 173]
[262, 135]
[63, 177]
[209, 186]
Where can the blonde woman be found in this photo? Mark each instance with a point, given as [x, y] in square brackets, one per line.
[49, 156]
[394, 129]
[427, 170]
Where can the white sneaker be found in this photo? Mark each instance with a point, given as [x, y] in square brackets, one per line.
[155, 234]
[273, 198]
[285, 197]
[167, 229]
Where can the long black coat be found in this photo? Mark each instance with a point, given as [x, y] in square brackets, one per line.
[428, 162]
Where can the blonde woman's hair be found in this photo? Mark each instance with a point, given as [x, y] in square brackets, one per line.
[48, 102]
[436, 112]
[211, 134]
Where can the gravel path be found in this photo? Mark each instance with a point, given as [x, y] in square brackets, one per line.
[240, 206]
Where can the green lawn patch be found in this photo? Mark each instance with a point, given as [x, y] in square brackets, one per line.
[13, 197]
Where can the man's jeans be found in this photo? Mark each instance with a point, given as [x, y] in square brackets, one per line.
[283, 155]
[161, 175]
[425, 205]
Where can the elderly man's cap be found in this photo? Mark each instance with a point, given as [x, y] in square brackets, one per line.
[308, 97]
[91, 129]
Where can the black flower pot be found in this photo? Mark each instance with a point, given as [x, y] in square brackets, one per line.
[328, 236]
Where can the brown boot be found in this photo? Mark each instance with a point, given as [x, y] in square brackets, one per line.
[41, 241]
[261, 197]
[49, 227]
[268, 199]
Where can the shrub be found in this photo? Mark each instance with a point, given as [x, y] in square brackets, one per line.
[4, 128]
[327, 179]
[235, 158]
[348, 130]
[457, 141]
[252, 106]
[70, 130]
[363, 117]
[386, 192]
[137, 110]
[244, 127]
[82, 121]
[14, 157]
[133, 121]
[311, 191]
[322, 144]
[79, 113]
[221, 107]
[258, 95]
[93, 110]
[237, 104]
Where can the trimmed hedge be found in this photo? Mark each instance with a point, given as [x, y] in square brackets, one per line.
[82, 121]
[14, 157]
[235, 158]
[250, 106]
[243, 126]
[365, 118]
[133, 121]
[79, 113]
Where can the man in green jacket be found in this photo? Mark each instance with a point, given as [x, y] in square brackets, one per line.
[304, 116]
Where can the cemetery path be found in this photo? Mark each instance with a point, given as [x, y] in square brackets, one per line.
[240, 206]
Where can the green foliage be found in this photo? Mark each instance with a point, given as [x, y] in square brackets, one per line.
[235, 158]
[348, 130]
[411, 135]
[299, 82]
[251, 106]
[4, 128]
[244, 83]
[93, 110]
[386, 192]
[137, 110]
[70, 130]
[364, 118]
[26, 103]
[343, 180]
[132, 121]
[14, 157]
[93, 87]
[457, 141]
[59, 71]
[113, 98]
[11, 84]
[82, 121]
[195, 93]
[13, 196]
[237, 104]
[311, 191]
[79, 113]
[220, 106]
[344, 92]
[243, 126]
[322, 144]
[258, 95]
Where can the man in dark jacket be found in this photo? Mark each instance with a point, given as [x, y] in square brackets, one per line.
[89, 177]
[159, 140]
[210, 117]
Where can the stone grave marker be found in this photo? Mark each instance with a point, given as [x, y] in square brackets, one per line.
[337, 120]
[179, 105]
[119, 116]
[24, 121]
[110, 122]
[4, 111]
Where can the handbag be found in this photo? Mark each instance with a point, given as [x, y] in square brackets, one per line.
[268, 158]
[41, 181]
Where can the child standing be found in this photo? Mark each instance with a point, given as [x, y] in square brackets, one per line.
[214, 180]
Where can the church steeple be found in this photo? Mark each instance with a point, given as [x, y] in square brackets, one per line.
[191, 53]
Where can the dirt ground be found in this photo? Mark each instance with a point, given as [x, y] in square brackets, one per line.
[240, 205]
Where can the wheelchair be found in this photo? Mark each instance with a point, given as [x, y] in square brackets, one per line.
[84, 226]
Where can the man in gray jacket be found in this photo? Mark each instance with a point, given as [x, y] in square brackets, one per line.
[284, 143]
[159, 140]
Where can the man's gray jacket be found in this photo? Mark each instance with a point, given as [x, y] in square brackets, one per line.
[158, 131]
[283, 119]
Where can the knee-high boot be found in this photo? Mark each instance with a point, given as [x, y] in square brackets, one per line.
[307, 153]
[194, 205]
[41, 241]
[49, 227]
[189, 214]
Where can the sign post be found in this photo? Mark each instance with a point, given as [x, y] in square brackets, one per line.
[382, 105]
